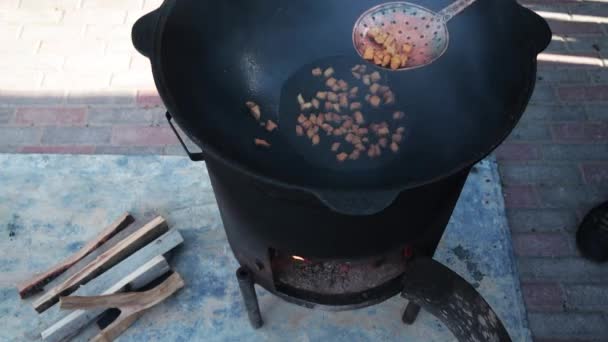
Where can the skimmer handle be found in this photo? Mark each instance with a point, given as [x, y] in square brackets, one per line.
[452, 10]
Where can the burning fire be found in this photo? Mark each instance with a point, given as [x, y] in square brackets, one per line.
[295, 257]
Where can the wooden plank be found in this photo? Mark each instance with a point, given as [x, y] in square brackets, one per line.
[87, 334]
[106, 260]
[92, 256]
[36, 283]
[134, 301]
[112, 331]
[131, 305]
[160, 246]
[76, 320]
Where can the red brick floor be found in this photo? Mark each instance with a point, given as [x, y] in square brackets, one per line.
[554, 167]
[72, 83]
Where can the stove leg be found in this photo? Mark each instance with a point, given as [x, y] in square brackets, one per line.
[411, 313]
[431, 239]
[249, 297]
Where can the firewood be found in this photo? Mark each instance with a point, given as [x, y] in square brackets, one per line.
[124, 248]
[114, 330]
[131, 305]
[36, 283]
[133, 300]
[106, 280]
[92, 256]
[71, 324]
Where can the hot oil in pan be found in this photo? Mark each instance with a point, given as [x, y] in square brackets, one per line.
[341, 113]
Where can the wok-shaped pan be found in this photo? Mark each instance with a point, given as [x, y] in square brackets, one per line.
[210, 57]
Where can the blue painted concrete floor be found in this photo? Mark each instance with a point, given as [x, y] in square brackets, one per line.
[51, 205]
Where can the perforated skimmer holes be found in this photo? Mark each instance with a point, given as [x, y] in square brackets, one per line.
[410, 24]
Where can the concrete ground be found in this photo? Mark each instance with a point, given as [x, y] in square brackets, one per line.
[58, 217]
[71, 83]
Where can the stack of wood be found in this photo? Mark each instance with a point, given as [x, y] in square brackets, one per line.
[105, 274]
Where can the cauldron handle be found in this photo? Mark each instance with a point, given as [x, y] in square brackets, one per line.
[541, 31]
[142, 33]
[199, 156]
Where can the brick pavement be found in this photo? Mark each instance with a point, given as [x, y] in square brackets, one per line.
[72, 83]
[554, 167]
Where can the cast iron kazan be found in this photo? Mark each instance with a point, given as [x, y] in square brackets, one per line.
[209, 57]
